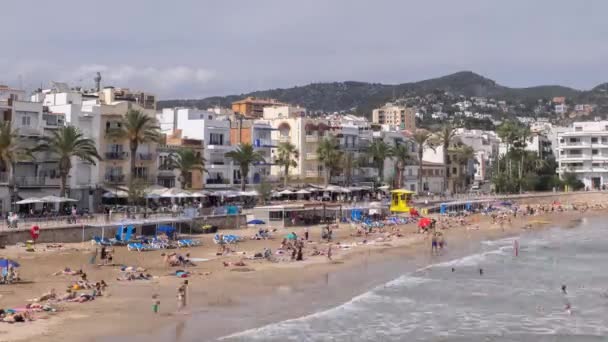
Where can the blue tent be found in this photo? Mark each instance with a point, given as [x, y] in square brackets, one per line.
[356, 215]
[443, 208]
[168, 230]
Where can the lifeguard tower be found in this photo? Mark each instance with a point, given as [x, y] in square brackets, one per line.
[401, 201]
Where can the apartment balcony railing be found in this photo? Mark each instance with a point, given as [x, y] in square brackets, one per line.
[311, 138]
[284, 138]
[312, 173]
[116, 155]
[145, 156]
[37, 181]
[217, 181]
[114, 178]
[311, 156]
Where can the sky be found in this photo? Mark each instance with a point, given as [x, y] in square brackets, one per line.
[200, 48]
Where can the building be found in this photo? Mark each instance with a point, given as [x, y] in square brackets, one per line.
[396, 115]
[253, 107]
[169, 177]
[559, 100]
[257, 133]
[214, 131]
[95, 113]
[583, 151]
[486, 145]
[561, 108]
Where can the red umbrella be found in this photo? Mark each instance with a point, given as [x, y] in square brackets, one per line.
[424, 222]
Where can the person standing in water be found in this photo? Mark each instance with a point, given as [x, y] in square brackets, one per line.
[564, 289]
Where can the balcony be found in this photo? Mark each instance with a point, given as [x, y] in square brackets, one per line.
[312, 138]
[311, 156]
[284, 138]
[114, 178]
[145, 156]
[218, 166]
[25, 182]
[312, 173]
[116, 155]
[264, 143]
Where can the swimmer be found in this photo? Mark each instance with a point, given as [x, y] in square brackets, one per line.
[453, 269]
[481, 271]
[568, 309]
[564, 289]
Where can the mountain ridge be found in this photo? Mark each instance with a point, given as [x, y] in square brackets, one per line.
[362, 97]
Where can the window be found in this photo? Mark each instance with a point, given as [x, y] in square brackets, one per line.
[116, 148]
[594, 140]
[575, 140]
[454, 170]
[141, 172]
[25, 120]
[216, 139]
[412, 187]
[409, 172]
[578, 129]
[275, 215]
[594, 152]
[576, 152]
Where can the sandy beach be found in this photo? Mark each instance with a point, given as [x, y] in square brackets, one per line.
[125, 309]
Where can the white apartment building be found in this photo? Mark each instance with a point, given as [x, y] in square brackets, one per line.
[396, 115]
[215, 133]
[486, 145]
[94, 113]
[583, 150]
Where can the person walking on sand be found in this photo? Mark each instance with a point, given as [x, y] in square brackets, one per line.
[329, 252]
[181, 296]
[306, 234]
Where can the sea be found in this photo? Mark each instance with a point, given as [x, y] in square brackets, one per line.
[514, 298]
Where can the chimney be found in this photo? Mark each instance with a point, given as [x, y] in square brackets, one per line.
[98, 81]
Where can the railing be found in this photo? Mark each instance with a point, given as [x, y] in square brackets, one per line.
[145, 156]
[284, 138]
[217, 181]
[312, 173]
[114, 178]
[311, 156]
[37, 181]
[116, 155]
[312, 138]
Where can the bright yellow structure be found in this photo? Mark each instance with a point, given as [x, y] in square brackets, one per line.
[401, 200]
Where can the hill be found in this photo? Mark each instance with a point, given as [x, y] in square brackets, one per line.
[361, 97]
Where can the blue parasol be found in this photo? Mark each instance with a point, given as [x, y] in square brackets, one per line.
[256, 222]
[6, 262]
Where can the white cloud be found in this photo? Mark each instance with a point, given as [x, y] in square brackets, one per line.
[166, 82]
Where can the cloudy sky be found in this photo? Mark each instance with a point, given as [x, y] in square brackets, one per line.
[199, 48]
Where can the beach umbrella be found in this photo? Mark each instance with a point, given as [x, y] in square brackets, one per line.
[302, 192]
[29, 200]
[6, 262]
[285, 192]
[256, 222]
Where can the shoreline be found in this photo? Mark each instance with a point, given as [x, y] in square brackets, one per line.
[231, 302]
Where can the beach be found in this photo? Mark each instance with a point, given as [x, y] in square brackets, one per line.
[224, 300]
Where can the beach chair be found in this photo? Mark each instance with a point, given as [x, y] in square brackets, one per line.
[101, 241]
[138, 246]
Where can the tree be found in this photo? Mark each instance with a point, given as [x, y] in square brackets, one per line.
[264, 191]
[423, 139]
[186, 161]
[66, 143]
[445, 137]
[379, 151]
[329, 155]
[349, 163]
[286, 157]
[245, 155]
[11, 151]
[403, 158]
[463, 154]
[138, 128]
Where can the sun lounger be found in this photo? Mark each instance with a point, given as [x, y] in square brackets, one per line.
[140, 247]
[101, 241]
[188, 243]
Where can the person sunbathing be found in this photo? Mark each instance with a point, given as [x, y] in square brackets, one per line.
[68, 295]
[47, 296]
[67, 271]
[83, 298]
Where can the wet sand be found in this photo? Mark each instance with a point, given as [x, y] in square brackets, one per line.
[223, 301]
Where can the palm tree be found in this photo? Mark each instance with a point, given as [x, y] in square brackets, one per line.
[66, 143]
[245, 155]
[286, 157]
[329, 155]
[445, 137]
[423, 139]
[186, 161]
[11, 151]
[403, 158]
[379, 151]
[463, 154]
[138, 128]
[349, 163]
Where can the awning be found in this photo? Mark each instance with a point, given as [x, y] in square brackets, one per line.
[302, 192]
[115, 193]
